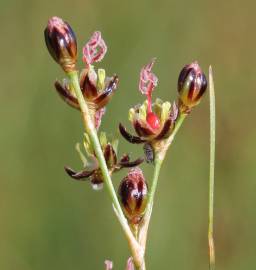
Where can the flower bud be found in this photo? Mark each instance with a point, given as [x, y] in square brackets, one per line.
[192, 84]
[132, 192]
[61, 43]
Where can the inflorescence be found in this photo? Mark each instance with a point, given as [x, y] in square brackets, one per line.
[154, 122]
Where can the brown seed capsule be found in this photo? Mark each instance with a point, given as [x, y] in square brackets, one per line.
[192, 84]
[61, 43]
[132, 192]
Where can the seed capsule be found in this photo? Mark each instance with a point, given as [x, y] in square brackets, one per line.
[192, 84]
[133, 195]
[61, 43]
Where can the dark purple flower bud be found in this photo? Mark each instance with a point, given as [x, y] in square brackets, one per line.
[61, 43]
[192, 84]
[132, 192]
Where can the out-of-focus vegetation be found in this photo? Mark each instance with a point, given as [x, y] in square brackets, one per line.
[48, 221]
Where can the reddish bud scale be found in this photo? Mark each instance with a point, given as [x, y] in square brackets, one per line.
[133, 195]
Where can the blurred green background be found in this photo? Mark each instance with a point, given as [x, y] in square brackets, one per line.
[48, 221]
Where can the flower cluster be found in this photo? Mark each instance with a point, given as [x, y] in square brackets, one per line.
[95, 86]
[97, 89]
[155, 123]
[91, 170]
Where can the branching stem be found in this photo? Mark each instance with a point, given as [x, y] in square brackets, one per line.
[137, 252]
[157, 167]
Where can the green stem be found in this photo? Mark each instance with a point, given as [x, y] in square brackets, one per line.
[157, 167]
[178, 124]
[143, 232]
[161, 155]
[137, 253]
[90, 129]
[211, 172]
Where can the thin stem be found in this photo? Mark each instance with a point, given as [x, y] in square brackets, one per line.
[161, 155]
[178, 124]
[211, 172]
[144, 227]
[91, 131]
[157, 167]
